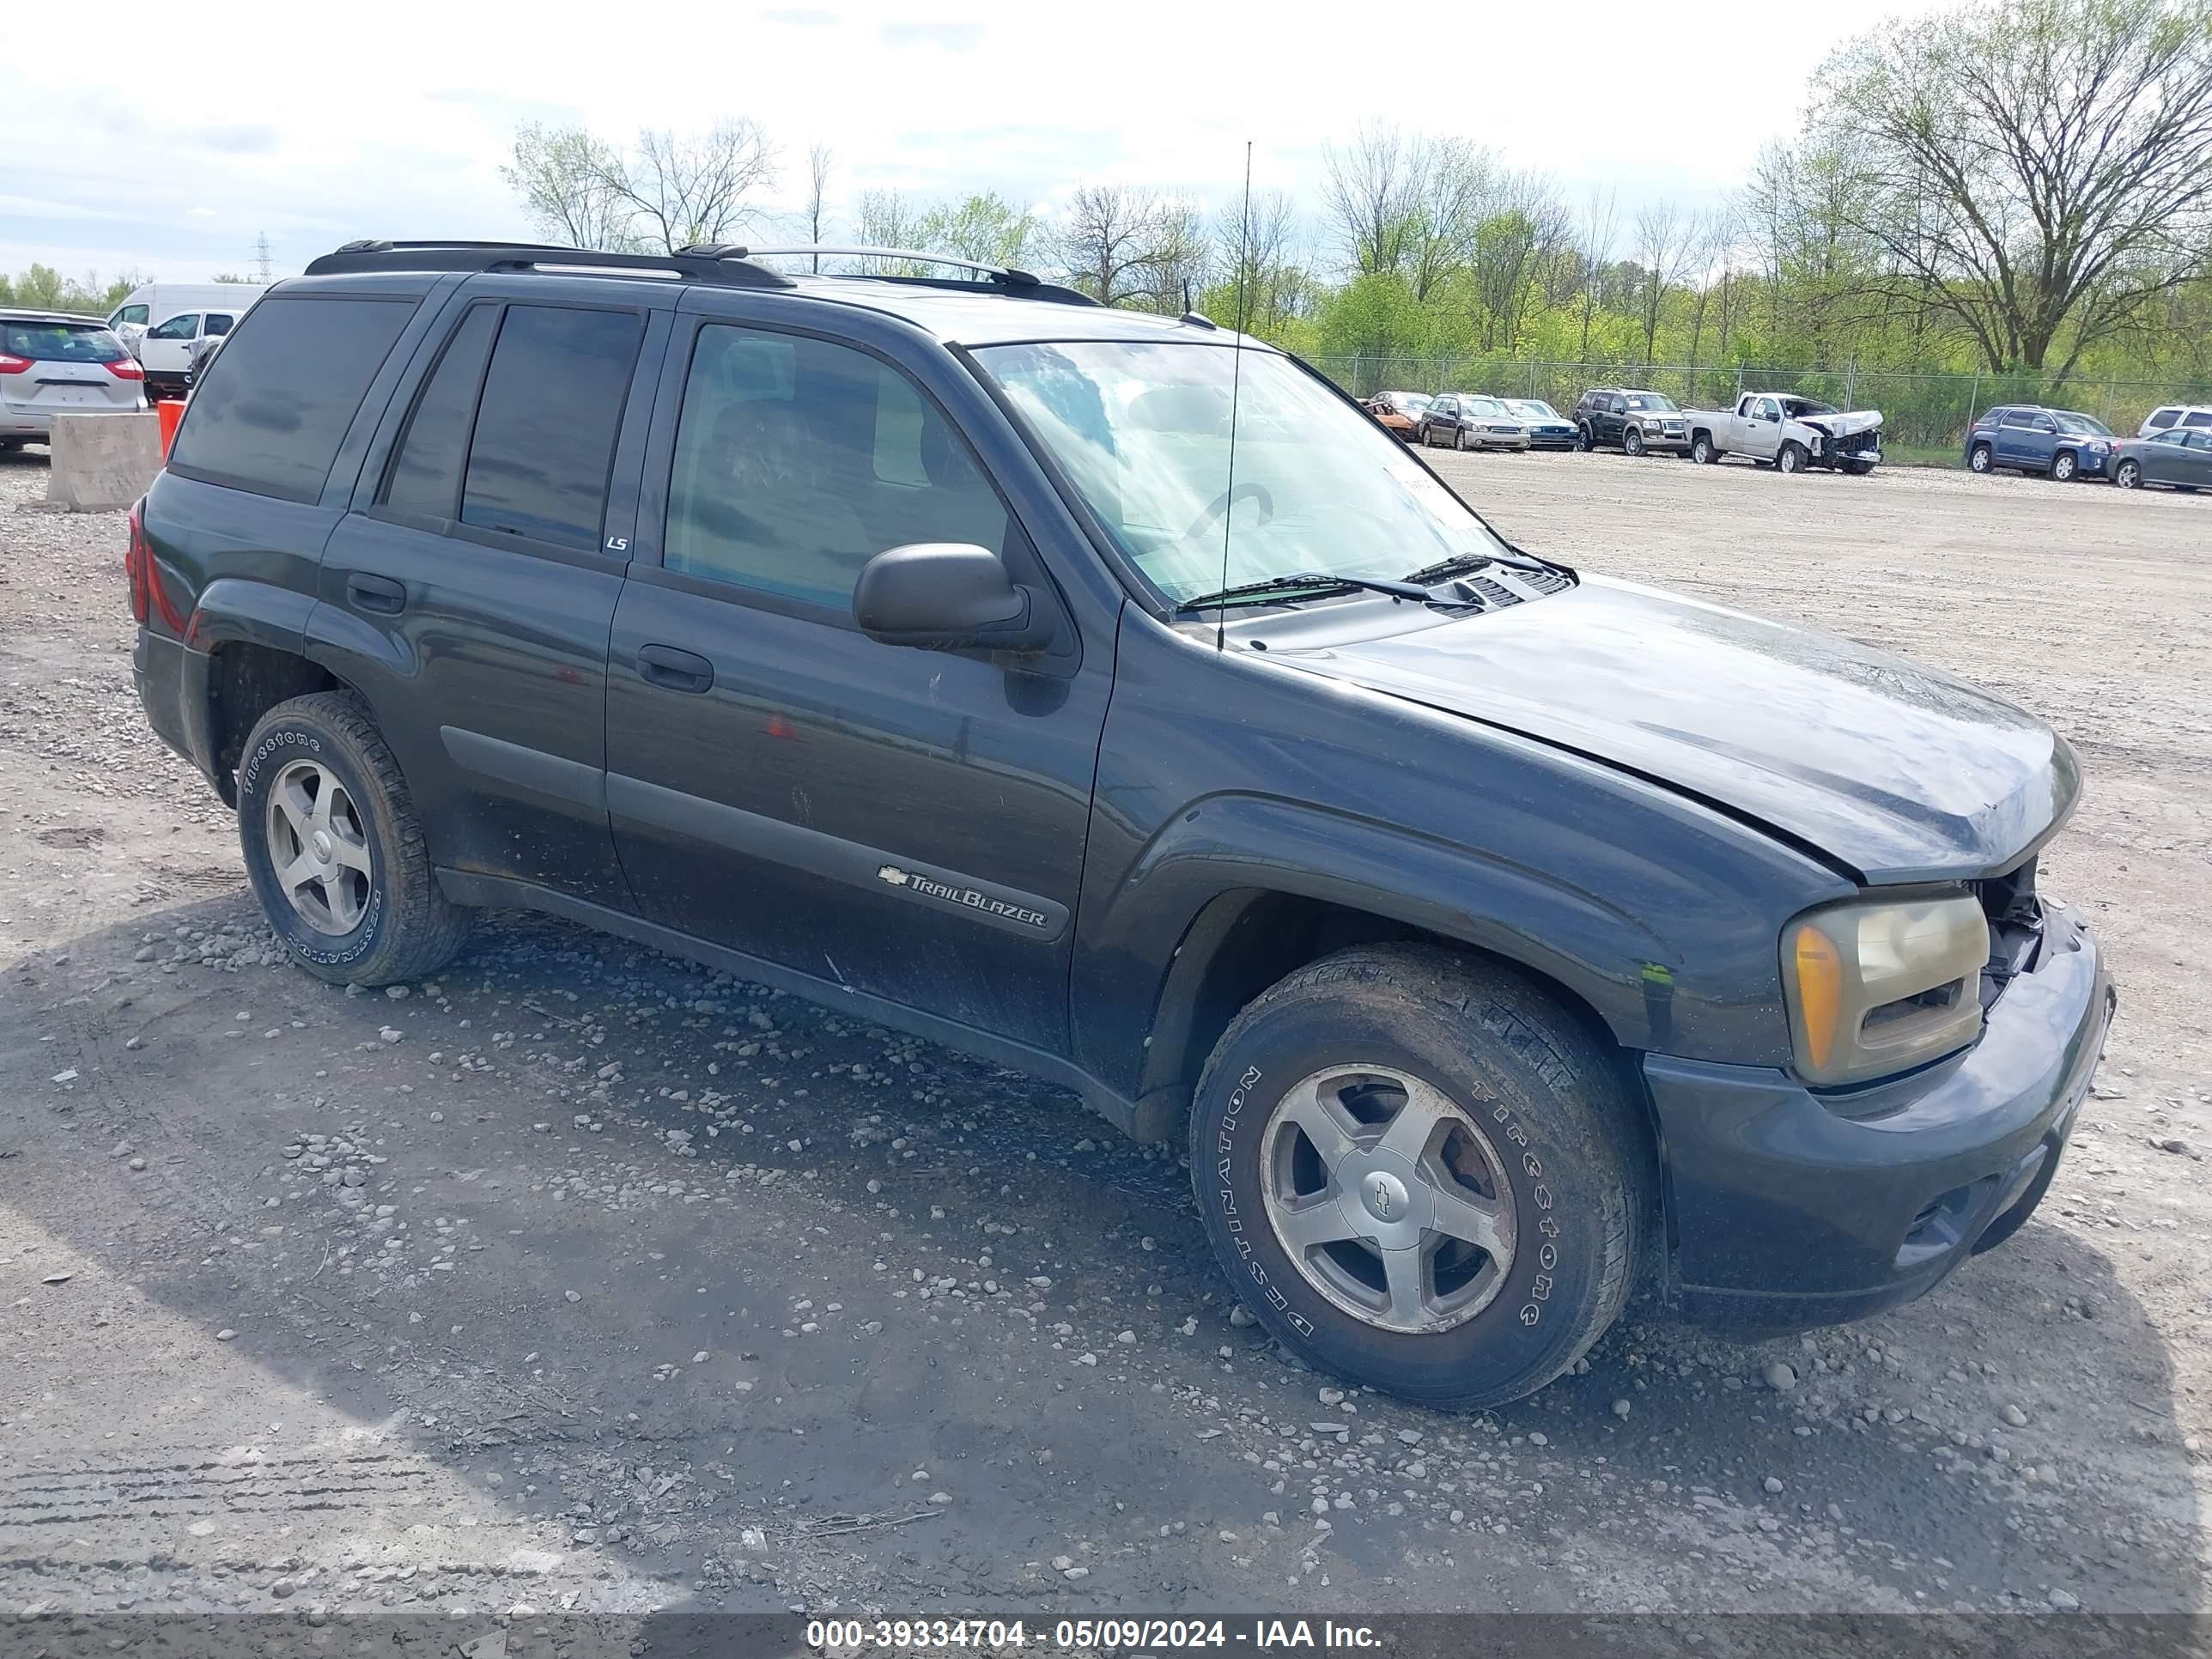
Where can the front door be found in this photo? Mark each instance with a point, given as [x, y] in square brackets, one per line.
[901, 823]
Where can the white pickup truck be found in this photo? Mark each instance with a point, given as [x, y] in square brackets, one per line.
[1791, 433]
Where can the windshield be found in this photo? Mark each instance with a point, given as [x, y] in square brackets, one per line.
[1651, 400]
[60, 343]
[1142, 430]
[2089, 423]
[1480, 405]
[1535, 409]
[1409, 402]
[1795, 406]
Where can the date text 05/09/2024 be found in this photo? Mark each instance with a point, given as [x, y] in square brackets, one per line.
[1080, 1635]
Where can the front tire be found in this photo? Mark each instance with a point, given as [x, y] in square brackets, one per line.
[1585, 440]
[1792, 459]
[2063, 466]
[1459, 439]
[1980, 459]
[1632, 441]
[1421, 1173]
[2128, 474]
[334, 848]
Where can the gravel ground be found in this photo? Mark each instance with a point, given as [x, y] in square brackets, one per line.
[585, 1278]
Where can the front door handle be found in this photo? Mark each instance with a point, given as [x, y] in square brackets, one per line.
[678, 670]
[379, 593]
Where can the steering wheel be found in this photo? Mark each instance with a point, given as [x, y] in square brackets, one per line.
[1227, 500]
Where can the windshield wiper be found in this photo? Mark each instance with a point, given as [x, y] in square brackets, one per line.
[1460, 564]
[1316, 581]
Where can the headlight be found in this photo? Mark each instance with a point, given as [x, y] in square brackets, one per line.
[1878, 986]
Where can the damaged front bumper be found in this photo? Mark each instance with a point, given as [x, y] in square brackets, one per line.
[1783, 1211]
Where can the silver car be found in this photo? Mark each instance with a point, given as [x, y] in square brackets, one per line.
[52, 363]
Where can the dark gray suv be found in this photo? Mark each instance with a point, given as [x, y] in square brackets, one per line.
[1490, 933]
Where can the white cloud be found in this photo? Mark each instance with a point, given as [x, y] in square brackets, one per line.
[315, 129]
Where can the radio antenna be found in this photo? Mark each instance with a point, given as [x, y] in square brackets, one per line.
[1235, 387]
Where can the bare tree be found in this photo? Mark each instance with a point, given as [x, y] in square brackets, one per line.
[683, 188]
[1115, 240]
[819, 158]
[1661, 246]
[2062, 149]
[1711, 241]
[1601, 220]
[1369, 191]
[886, 221]
[986, 229]
[1262, 264]
[1524, 220]
[562, 174]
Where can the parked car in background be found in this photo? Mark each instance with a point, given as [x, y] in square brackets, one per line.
[1610, 418]
[2063, 443]
[1399, 412]
[1788, 432]
[2179, 456]
[1548, 428]
[1468, 420]
[53, 363]
[2191, 417]
[160, 322]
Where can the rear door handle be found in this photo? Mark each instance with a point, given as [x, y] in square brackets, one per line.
[678, 670]
[379, 593]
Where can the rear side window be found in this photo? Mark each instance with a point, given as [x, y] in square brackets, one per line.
[2163, 418]
[279, 397]
[217, 323]
[425, 479]
[545, 428]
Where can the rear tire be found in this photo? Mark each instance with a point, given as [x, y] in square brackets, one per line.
[1531, 1139]
[1702, 451]
[334, 848]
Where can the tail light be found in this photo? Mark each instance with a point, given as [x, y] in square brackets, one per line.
[139, 563]
[126, 368]
[11, 364]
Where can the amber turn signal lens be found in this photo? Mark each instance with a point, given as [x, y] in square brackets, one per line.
[1820, 992]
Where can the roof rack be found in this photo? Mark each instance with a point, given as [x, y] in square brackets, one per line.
[726, 267]
[1017, 283]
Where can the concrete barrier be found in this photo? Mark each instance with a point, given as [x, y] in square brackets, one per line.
[101, 462]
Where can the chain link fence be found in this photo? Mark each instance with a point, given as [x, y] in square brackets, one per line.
[1925, 415]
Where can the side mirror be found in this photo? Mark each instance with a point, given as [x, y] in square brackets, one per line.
[947, 596]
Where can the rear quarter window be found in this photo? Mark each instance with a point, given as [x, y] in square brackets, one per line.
[279, 397]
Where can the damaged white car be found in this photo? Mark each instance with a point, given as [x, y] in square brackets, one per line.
[1788, 432]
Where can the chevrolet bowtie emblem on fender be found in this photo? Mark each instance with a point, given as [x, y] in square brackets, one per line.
[893, 874]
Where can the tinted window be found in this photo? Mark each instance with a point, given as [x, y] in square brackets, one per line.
[60, 343]
[278, 397]
[798, 461]
[2020, 417]
[546, 430]
[426, 473]
[2172, 440]
[130, 314]
[217, 323]
[2198, 418]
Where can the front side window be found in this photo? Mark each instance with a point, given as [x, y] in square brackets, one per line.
[545, 437]
[1764, 409]
[277, 399]
[129, 314]
[1142, 430]
[177, 328]
[798, 460]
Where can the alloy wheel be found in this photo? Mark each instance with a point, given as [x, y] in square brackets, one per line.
[1389, 1198]
[319, 848]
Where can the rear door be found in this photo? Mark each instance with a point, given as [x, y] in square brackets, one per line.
[902, 824]
[470, 592]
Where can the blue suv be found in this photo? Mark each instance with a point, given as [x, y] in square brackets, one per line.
[2062, 442]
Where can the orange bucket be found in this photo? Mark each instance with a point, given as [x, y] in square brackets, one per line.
[172, 410]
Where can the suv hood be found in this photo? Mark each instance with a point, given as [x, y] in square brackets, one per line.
[1897, 772]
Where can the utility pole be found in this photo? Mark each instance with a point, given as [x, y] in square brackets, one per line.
[262, 269]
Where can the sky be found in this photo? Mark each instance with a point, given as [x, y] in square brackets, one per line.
[316, 125]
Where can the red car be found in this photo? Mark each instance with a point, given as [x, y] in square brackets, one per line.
[1399, 412]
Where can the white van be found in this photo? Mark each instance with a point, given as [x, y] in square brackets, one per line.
[161, 320]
